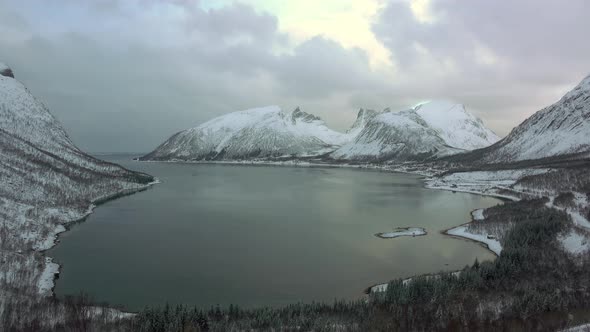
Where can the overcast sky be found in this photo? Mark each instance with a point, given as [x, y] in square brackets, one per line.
[125, 75]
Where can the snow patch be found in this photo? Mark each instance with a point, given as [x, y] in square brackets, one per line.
[46, 279]
[491, 242]
[579, 328]
[477, 215]
[402, 231]
[574, 242]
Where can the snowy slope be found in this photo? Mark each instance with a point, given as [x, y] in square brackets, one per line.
[426, 131]
[260, 133]
[5, 70]
[393, 135]
[560, 129]
[429, 130]
[362, 118]
[45, 182]
[457, 127]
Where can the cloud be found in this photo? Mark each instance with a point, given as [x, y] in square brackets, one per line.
[129, 78]
[126, 75]
[503, 59]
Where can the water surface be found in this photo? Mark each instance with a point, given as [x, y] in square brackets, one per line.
[260, 235]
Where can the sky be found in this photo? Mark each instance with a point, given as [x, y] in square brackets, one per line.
[122, 76]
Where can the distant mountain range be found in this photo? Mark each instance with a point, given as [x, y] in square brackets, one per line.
[426, 131]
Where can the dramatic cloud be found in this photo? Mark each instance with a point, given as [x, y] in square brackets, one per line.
[505, 59]
[124, 75]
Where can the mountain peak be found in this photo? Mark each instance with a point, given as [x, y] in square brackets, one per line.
[5, 70]
[458, 127]
[427, 130]
[362, 117]
[363, 113]
[298, 114]
[266, 133]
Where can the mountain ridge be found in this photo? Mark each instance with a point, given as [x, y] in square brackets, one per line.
[264, 132]
[417, 136]
[561, 129]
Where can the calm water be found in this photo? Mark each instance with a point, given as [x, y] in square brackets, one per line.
[214, 234]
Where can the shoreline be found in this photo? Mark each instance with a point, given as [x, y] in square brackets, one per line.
[394, 168]
[65, 227]
[459, 237]
[424, 176]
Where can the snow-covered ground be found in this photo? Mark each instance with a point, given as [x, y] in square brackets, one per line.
[489, 241]
[503, 184]
[580, 201]
[402, 231]
[383, 287]
[579, 328]
[575, 242]
[477, 215]
[379, 288]
[46, 280]
[489, 183]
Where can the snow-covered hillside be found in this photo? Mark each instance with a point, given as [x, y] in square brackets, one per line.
[428, 130]
[5, 70]
[45, 182]
[260, 133]
[362, 118]
[560, 129]
[457, 127]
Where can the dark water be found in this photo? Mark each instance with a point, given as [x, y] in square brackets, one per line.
[214, 234]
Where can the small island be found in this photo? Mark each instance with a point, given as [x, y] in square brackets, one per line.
[402, 231]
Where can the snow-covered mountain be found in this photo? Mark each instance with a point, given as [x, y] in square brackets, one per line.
[45, 182]
[558, 130]
[428, 130]
[457, 127]
[362, 118]
[262, 133]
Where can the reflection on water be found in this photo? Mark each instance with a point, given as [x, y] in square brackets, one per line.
[214, 234]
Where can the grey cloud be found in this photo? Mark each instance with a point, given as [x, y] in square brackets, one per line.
[320, 67]
[538, 46]
[121, 79]
[129, 93]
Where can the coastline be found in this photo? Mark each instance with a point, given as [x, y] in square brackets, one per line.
[52, 268]
[426, 177]
[465, 238]
[394, 168]
[404, 168]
